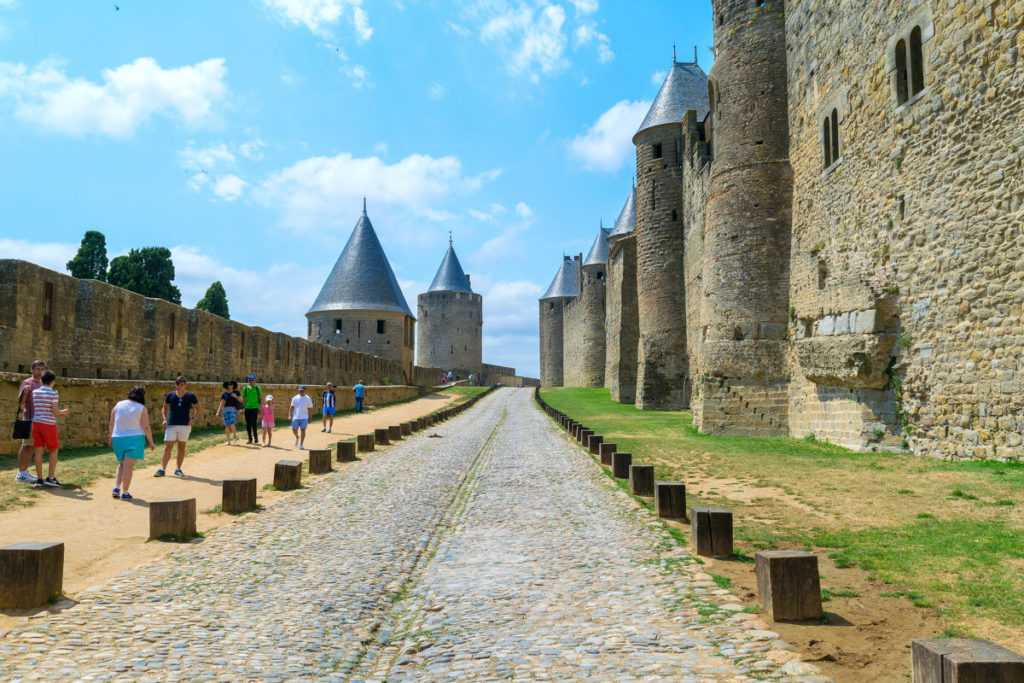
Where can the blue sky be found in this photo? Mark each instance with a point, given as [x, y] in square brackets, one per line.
[242, 134]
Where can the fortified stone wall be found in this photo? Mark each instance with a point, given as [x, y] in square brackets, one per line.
[89, 329]
[907, 284]
[379, 333]
[450, 331]
[551, 358]
[621, 324]
[663, 379]
[584, 331]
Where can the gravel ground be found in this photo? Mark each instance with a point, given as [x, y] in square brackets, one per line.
[497, 551]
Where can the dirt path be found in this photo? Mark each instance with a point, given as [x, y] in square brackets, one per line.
[104, 537]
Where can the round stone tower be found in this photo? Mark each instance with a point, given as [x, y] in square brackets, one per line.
[662, 365]
[748, 221]
[564, 287]
[449, 335]
[584, 319]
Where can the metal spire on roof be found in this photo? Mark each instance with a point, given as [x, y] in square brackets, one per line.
[364, 205]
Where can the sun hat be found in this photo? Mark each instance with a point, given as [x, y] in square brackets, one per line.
[270, 397]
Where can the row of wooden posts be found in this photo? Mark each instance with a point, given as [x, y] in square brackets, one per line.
[32, 574]
[788, 582]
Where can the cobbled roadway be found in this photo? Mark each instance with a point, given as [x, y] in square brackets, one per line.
[498, 551]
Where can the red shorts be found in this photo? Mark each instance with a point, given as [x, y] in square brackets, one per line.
[45, 436]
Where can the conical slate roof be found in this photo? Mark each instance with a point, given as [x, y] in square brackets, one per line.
[362, 279]
[626, 222]
[598, 254]
[450, 276]
[566, 284]
[685, 87]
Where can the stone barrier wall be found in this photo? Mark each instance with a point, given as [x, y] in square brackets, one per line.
[91, 400]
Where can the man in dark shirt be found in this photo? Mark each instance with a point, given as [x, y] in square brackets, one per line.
[178, 411]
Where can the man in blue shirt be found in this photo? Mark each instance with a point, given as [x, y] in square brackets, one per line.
[360, 392]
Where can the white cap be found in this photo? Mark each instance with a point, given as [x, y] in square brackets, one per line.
[269, 397]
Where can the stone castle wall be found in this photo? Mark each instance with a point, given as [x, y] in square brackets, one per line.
[450, 331]
[621, 324]
[383, 334]
[551, 356]
[584, 331]
[907, 284]
[91, 400]
[89, 329]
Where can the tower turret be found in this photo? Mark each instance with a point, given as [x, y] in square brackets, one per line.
[621, 324]
[662, 365]
[564, 286]
[584, 319]
[449, 335]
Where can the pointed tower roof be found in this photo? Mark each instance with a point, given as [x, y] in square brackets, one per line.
[362, 279]
[626, 222]
[566, 284]
[598, 254]
[685, 87]
[450, 276]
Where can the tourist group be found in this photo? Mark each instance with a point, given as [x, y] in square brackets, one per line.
[129, 427]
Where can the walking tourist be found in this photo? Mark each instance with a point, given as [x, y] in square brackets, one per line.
[178, 411]
[328, 408]
[23, 423]
[252, 397]
[130, 434]
[267, 420]
[230, 403]
[360, 392]
[45, 437]
[298, 414]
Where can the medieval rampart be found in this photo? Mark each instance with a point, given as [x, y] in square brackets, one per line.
[583, 321]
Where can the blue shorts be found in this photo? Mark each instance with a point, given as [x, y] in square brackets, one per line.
[300, 423]
[330, 410]
[230, 417]
[131, 447]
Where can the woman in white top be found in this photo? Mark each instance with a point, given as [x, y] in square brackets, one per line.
[129, 434]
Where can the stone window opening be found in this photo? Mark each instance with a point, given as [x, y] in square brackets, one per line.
[309, 328]
[822, 275]
[452, 352]
[835, 135]
[826, 141]
[675, 215]
[170, 336]
[916, 62]
[241, 347]
[337, 326]
[902, 204]
[721, 19]
[902, 74]
[737, 334]
[120, 321]
[380, 327]
[48, 306]
[600, 276]
[656, 151]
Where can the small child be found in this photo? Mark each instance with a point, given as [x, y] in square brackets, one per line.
[45, 437]
[267, 420]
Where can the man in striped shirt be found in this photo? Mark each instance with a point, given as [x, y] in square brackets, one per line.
[45, 411]
[329, 408]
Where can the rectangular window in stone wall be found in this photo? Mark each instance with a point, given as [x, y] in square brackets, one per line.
[170, 333]
[380, 327]
[337, 326]
[48, 306]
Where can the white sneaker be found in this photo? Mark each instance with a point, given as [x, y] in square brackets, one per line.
[24, 476]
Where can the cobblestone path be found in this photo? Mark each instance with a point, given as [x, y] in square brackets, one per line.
[497, 551]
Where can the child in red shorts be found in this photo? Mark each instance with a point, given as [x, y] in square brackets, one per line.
[46, 410]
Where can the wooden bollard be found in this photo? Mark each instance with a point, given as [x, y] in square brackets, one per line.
[670, 499]
[365, 443]
[620, 465]
[238, 495]
[320, 461]
[959, 660]
[641, 480]
[788, 584]
[380, 436]
[287, 475]
[395, 432]
[172, 519]
[584, 434]
[711, 531]
[31, 574]
[346, 451]
[406, 428]
[607, 450]
[594, 444]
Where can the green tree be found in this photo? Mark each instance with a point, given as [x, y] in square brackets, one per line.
[215, 301]
[148, 271]
[91, 260]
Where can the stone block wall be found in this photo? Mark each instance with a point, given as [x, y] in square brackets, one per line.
[621, 320]
[907, 248]
[91, 400]
[383, 334]
[551, 338]
[89, 329]
[584, 331]
[450, 331]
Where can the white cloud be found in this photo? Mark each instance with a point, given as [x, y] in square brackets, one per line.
[53, 255]
[523, 210]
[357, 74]
[607, 144]
[488, 215]
[438, 215]
[510, 323]
[459, 29]
[229, 187]
[252, 149]
[205, 158]
[585, 6]
[290, 78]
[509, 244]
[436, 91]
[658, 77]
[531, 40]
[127, 97]
[323, 189]
[321, 16]
[587, 33]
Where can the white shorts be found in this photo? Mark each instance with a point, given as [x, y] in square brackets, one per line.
[177, 433]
